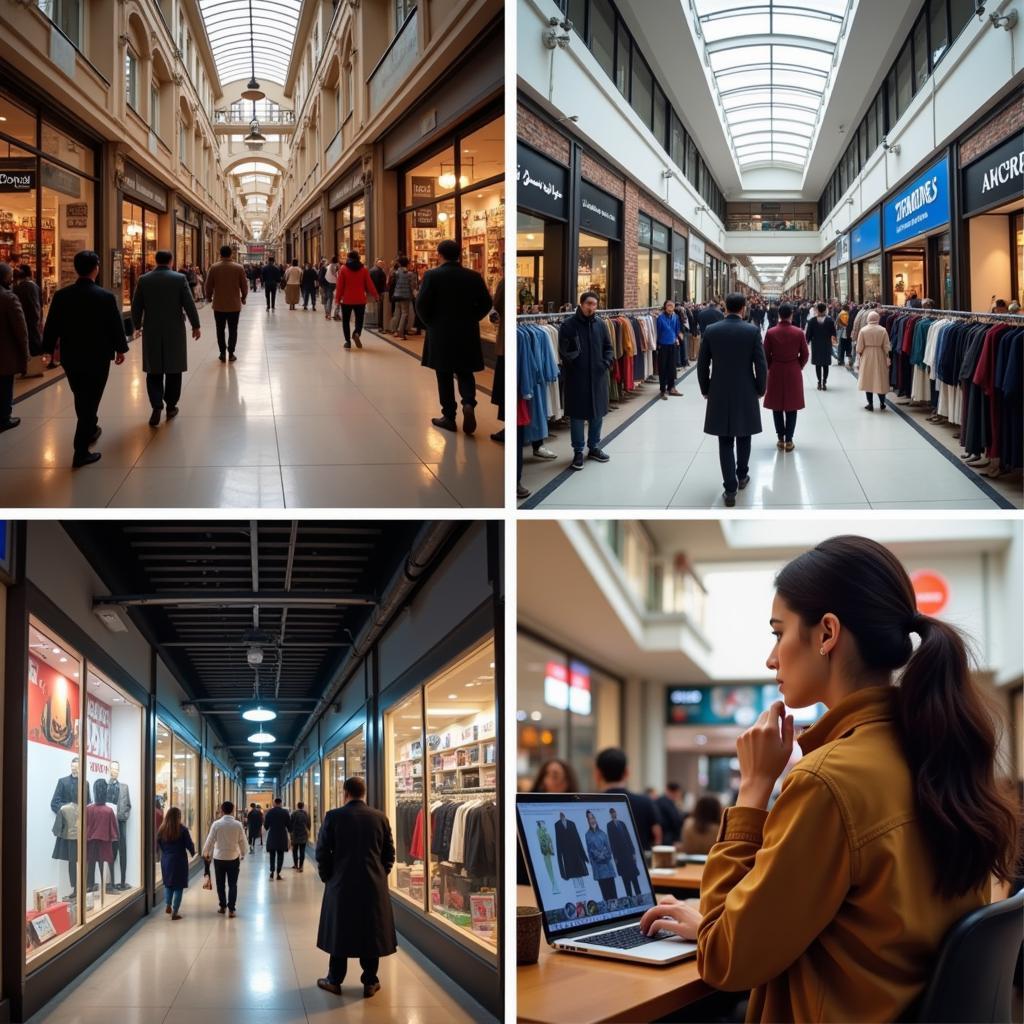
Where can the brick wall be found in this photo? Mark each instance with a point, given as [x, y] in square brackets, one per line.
[1007, 121]
[599, 175]
[537, 133]
[630, 250]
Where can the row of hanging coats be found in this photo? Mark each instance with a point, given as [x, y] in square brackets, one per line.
[633, 338]
[969, 371]
[462, 832]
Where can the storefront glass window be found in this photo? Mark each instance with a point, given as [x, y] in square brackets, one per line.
[529, 260]
[483, 233]
[593, 268]
[209, 798]
[138, 234]
[433, 178]
[943, 246]
[430, 225]
[18, 237]
[20, 123]
[540, 725]
[113, 728]
[1018, 236]
[54, 897]
[177, 780]
[68, 225]
[61, 146]
[906, 271]
[162, 777]
[404, 733]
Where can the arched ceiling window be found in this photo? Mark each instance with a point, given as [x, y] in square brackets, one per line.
[273, 35]
[771, 62]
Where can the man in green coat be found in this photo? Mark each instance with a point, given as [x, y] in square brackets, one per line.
[161, 302]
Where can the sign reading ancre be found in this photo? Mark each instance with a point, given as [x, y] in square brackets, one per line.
[995, 178]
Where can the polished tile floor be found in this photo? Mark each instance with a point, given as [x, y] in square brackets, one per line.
[260, 968]
[296, 422]
[845, 457]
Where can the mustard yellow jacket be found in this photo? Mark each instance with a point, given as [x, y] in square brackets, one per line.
[825, 905]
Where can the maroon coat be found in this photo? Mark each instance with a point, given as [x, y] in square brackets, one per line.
[785, 347]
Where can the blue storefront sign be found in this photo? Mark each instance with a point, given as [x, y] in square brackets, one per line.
[919, 207]
[866, 236]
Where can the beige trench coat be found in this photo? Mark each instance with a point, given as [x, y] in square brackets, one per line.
[873, 350]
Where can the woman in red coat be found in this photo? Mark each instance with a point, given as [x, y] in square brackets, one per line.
[786, 350]
[354, 287]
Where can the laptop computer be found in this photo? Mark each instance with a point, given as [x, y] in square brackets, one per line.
[588, 873]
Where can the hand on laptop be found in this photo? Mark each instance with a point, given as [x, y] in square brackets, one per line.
[673, 916]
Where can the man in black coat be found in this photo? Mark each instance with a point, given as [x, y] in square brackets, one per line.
[86, 320]
[354, 853]
[709, 315]
[624, 853]
[271, 276]
[452, 301]
[275, 821]
[740, 376]
[585, 347]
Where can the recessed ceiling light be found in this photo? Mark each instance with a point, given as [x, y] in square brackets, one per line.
[453, 696]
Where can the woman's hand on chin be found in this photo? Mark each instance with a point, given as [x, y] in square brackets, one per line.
[764, 751]
[682, 919]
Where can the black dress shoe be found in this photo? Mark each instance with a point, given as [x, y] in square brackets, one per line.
[85, 460]
[328, 986]
[172, 411]
[232, 358]
[468, 417]
[730, 499]
[154, 419]
[369, 990]
[223, 357]
[499, 436]
[445, 424]
[743, 482]
[10, 424]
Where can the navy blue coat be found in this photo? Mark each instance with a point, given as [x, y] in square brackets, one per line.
[174, 859]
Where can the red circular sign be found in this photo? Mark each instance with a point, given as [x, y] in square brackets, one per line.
[931, 591]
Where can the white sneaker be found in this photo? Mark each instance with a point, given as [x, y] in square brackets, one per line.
[543, 452]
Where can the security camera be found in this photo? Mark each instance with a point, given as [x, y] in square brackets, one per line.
[254, 656]
[979, 8]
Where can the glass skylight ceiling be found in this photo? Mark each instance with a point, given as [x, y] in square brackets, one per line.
[771, 63]
[273, 33]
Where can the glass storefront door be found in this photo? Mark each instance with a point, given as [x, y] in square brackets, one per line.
[906, 275]
[138, 244]
[593, 263]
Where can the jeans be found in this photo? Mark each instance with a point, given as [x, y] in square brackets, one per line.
[822, 372]
[276, 858]
[785, 424]
[6, 397]
[338, 968]
[593, 433]
[87, 387]
[172, 898]
[401, 319]
[446, 391]
[160, 392]
[734, 463]
[346, 311]
[667, 367]
[298, 854]
[271, 296]
[845, 350]
[227, 870]
[871, 400]
[309, 295]
[231, 321]
[327, 297]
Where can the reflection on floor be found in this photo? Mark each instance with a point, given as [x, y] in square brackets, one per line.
[260, 968]
[845, 457]
[296, 422]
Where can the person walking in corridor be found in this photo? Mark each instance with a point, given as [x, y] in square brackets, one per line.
[379, 276]
[254, 825]
[732, 373]
[271, 275]
[821, 334]
[298, 832]
[354, 287]
[309, 286]
[785, 349]
[874, 361]
[354, 854]
[227, 286]
[85, 320]
[328, 282]
[174, 842]
[161, 302]
[226, 844]
[585, 348]
[292, 284]
[275, 821]
[13, 347]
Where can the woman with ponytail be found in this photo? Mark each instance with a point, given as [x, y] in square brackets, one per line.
[832, 906]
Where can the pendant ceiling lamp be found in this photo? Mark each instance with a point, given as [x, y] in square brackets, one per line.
[252, 91]
[261, 737]
[257, 713]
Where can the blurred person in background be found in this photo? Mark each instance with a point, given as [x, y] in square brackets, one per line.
[700, 830]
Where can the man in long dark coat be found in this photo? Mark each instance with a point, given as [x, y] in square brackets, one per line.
[585, 348]
[354, 853]
[732, 372]
[451, 302]
[572, 860]
[160, 304]
[623, 853]
[275, 821]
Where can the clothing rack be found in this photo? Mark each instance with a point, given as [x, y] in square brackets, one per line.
[551, 317]
[1016, 319]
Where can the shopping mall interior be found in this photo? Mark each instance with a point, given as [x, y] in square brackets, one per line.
[785, 153]
[652, 636]
[288, 130]
[247, 661]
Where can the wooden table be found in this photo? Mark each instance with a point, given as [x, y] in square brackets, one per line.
[684, 880]
[570, 988]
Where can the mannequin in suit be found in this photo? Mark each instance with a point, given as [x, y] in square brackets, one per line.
[118, 795]
[66, 790]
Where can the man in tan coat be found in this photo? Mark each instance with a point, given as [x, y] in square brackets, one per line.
[227, 287]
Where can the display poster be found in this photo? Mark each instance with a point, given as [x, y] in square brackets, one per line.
[53, 706]
[842, 250]
[68, 248]
[97, 735]
[76, 215]
[567, 688]
[737, 705]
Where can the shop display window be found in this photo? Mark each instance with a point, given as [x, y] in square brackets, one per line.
[348, 758]
[593, 268]
[529, 261]
[442, 798]
[209, 799]
[138, 242]
[1018, 250]
[85, 757]
[176, 774]
[20, 123]
[351, 232]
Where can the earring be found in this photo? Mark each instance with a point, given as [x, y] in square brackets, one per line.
[821, 651]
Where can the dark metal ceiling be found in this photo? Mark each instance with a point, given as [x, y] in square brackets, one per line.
[206, 592]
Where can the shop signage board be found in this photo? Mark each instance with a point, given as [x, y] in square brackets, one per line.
[311, 215]
[600, 213]
[567, 688]
[17, 176]
[697, 251]
[919, 207]
[543, 185]
[344, 189]
[425, 217]
[76, 215]
[53, 706]
[138, 185]
[842, 250]
[931, 590]
[866, 237]
[995, 178]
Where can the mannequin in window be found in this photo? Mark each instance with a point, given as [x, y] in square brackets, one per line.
[100, 833]
[118, 796]
[66, 790]
[65, 845]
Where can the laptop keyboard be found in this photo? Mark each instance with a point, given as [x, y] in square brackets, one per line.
[625, 938]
